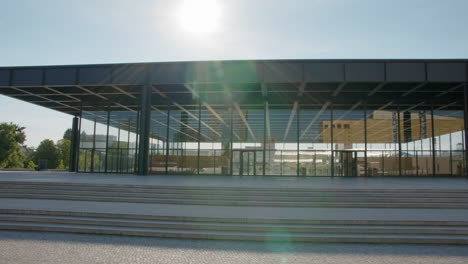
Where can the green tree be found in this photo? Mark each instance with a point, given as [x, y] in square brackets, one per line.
[30, 165]
[64, 146]
[68, 134]
[28, 153]
[60, 166]
[47, 150]
[11, 138]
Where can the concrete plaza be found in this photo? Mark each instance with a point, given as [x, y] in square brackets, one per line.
[57, 248]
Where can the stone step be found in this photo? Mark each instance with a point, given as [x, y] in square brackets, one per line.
[343, 220]
[236, 195]
[243, 227]
[4, 184]
[344, 204]
[236, 235]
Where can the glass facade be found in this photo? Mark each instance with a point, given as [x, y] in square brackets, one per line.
[108, 142]
[267, 140]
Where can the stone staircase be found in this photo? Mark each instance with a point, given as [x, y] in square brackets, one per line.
[60, 201]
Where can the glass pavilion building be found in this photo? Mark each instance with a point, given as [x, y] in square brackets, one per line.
[287, 117]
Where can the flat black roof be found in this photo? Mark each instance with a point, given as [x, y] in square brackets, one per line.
[347, 84]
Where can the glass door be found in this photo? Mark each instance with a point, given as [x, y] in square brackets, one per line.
[248, 163]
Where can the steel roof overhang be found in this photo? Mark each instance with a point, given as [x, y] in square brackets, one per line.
[347, 84]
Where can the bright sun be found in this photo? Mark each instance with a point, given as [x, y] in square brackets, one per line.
[199, 16]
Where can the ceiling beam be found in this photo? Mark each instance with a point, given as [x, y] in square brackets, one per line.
[447, 105]
[63, 94]
[377, 88]
[454, 88]
[291, 117]
[45, 98]
[339, 88]
[246, 123]
[91, 92]
[356, 105]
[208, 106]
[414, 106]
[416, 87]
[196, 118]
[324, 107]
[123, 91]
[178, 121]
[385, 106]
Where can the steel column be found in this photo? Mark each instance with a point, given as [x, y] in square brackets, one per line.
[365, 141]
[399, 141]
[74, 150]
[331, 140]
[144, 130]
[107, 142]
[264, 136]
[93, 150]
[199, 136]
[465, 103]
[297, 141]
[78, 142]
[118, 165]
[231, 128]
[433, 141]
[137, 143]
[166, 163]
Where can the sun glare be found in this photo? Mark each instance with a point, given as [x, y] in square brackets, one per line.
[199, 16]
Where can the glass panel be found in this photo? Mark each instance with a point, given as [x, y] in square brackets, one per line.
[349, 142]
[382, 143]
[215, 140]
[183, 134]
[282, 141]
[448, 127]
[315, 142]
[248, 129]
[158, 141]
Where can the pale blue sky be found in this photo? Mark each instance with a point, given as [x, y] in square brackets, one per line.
[49, 32]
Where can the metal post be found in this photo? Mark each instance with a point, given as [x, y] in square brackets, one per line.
[254, 162]
[265, 103]
[144, 130]
[297, 141]
[74, 146]
[365, 141]
[433, 141]
[166, 163]
[78, 143]
[248, 163]
[107, 142]
[465, 117]
[137, 135]
[451, 158]
[281, 158]
[241, 159]
[399, 142]
[94, 147]
[231, 170]
[127, 165]
[331, 140]
[199, 137]
[118, 164]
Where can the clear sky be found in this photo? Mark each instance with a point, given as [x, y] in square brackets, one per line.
[49, 32]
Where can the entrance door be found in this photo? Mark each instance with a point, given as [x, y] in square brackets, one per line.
[248, 162]
[346, 163]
